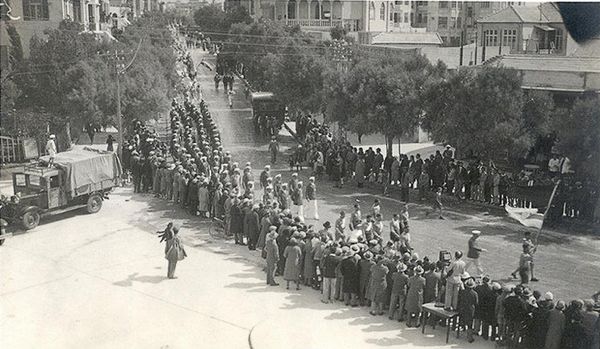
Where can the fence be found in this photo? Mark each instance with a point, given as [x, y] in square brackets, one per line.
[17, 149]
[11, 150]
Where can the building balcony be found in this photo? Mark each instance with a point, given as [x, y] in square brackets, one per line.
[351, 24]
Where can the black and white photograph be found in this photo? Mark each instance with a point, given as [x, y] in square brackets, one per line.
[299, 174]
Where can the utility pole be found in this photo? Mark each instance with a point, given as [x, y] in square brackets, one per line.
[121, 68]
[119, 118]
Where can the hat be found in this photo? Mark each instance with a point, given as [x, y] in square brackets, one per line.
[268, 167]
[354, 248]
[272, 228]
[419, 270]
[402, 267]
[527, 292]
[311, 179]
[496, 286]
[548, 296]
[475, 232]
[368, 255]
[294, 174]
[470, 283]
[52, 136]
[327, 224]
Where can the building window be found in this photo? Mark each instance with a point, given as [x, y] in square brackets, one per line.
[490, 38]
[35, 10]
[485, 4]
[509, 38]
[443, 4]
[406, 2]
[443, 22]
[405, 17]
[453, 4]
[372, 11]
[382, 12]
[558, 39]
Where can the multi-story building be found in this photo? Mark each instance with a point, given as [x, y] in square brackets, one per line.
[401, 16]
[322, 15]
[32, 17]
[451, 18]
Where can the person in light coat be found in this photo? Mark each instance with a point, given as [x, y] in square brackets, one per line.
[51, 149]
[174, 252]
[293, 257]
[272, 255]
[310, 195]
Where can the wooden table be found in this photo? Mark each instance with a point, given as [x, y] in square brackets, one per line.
[450, 317]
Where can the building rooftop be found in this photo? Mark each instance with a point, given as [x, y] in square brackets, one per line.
[544, 13]
[401, 38]
[551, 63]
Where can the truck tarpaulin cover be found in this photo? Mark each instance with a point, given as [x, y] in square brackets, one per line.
[86, 166]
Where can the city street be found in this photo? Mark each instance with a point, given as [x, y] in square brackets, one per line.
[103, 276]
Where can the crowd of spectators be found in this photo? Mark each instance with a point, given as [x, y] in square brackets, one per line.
[472, 179]
[360, 260]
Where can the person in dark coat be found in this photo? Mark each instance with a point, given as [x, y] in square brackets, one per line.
[236, 226]
[252, 225]
[109, 143]
[379, 272]
[467, 302]
[351, 273]
[484, 312]
[433, 283]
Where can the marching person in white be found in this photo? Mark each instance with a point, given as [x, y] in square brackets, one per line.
[474, 253]
[311, 198]
[51, 149]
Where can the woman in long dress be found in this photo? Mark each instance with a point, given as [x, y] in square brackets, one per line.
[414, 297]
[293, 256]
[174, 252]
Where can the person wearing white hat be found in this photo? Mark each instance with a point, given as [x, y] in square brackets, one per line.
[51, 150]
[310, 195]
[474, 253]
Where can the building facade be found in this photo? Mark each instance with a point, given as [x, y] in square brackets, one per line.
[322, 15]
[33, 17]
[538, 30]
[451, 18]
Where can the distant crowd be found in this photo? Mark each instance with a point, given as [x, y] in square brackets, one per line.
[468, 180]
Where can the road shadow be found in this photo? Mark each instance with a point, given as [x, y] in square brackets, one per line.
[150, 279]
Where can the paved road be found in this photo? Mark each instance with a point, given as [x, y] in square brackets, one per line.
[98, 281]
[568, 265]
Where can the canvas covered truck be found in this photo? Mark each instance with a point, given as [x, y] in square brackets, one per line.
[79, 178]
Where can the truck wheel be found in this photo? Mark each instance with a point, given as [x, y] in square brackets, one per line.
[94, 204]
[31, 219]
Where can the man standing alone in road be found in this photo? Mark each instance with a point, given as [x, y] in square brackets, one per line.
[474, 253]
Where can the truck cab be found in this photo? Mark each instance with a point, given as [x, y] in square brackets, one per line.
[78, 179]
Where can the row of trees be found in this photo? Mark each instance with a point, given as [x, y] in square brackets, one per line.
[69, 79]
[482, 111]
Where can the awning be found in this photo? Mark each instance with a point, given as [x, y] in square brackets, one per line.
[545, 28]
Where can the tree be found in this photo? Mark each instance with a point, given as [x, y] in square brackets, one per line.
[578, 137]
[338, 32]
[210, 18]
[480, 113]
[379, 94]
